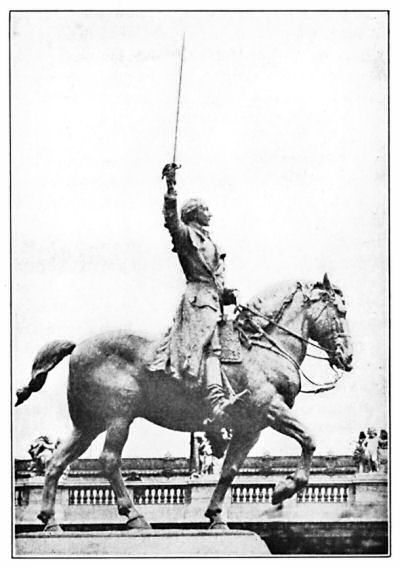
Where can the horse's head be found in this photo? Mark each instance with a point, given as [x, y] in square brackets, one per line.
[328, 325]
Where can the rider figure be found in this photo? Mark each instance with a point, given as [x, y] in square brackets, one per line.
[191, 349]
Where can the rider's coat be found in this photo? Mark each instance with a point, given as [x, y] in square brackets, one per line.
[181, 352]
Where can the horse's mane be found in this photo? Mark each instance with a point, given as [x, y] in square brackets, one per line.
[272, 300]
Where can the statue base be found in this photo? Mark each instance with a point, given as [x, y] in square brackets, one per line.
[142, 543]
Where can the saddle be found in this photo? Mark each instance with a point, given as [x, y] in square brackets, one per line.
[231, 347]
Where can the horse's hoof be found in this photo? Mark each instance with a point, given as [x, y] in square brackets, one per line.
[219, 525]
[139, 522]
[53, 528]
[283, 491]
[43, 517]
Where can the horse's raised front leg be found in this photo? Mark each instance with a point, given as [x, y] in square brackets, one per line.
[69, 450]
[281, 418]
[110, 459]
[238, 449]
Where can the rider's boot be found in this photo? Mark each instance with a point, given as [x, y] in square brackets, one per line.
[219, 404]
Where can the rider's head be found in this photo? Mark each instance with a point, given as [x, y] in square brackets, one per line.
[194, 210]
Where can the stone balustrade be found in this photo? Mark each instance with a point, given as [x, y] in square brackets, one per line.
[92, 502]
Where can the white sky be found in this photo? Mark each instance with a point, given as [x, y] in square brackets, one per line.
[283, 132]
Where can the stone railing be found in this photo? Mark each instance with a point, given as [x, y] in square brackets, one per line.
[327, 493]
[144, 467]
[142, 495]
[252, 493]
[85, 501]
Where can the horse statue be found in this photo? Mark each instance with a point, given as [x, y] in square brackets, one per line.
[109, 386]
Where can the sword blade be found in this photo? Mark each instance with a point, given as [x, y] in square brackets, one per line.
[179, 99]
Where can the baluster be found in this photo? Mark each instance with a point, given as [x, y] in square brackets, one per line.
[335, 494]
[237, 494]
[250, 494]
[257, 494]
[234, 494]
[345, 494]
[328, 494]
[159, 496]
[270, 491]
[322, 494]
[146, 495]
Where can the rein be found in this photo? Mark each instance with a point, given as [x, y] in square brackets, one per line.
[242, 308]
[321, 387]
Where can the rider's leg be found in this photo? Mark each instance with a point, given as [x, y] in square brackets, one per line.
[218, 402]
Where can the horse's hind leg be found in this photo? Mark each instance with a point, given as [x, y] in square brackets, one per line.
[69, 450]
[281, 418]
[110, 458]
[238, 449]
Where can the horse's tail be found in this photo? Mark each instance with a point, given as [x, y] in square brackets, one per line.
[46, 359]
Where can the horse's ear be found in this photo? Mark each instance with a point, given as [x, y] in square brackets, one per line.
[326, 282]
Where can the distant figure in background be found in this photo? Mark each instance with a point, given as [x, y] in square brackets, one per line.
[383, 451]
[359, 455]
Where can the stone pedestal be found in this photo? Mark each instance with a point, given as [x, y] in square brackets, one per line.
[149, 543]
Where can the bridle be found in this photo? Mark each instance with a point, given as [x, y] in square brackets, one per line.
[274, 346]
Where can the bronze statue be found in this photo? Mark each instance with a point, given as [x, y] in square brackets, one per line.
[192, 344]
[110, 385]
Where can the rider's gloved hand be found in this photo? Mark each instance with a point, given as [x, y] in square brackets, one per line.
[230, 296]
[169, 172]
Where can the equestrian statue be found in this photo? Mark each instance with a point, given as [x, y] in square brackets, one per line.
[181, 382]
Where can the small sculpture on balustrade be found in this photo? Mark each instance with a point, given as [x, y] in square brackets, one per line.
[383, 451]
[370, 454]
[41, 451]
[206, 458]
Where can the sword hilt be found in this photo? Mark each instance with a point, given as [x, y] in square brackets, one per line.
[169, 172]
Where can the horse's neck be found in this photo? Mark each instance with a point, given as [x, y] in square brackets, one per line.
[293, 319]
